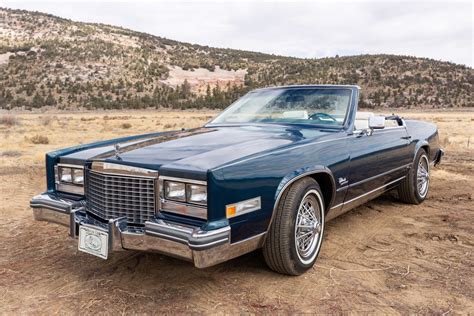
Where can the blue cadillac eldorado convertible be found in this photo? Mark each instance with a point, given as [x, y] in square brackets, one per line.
[268, 172]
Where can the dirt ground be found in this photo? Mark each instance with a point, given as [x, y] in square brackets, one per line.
[383, 257]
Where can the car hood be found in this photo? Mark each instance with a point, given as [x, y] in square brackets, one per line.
[199, 149]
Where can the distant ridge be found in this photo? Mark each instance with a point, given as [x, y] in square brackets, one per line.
[51, 61]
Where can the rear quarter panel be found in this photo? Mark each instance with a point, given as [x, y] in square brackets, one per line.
[423, 134]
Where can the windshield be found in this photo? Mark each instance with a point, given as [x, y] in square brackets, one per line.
[317, 106]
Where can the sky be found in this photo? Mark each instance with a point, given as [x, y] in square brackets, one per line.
[442, 30]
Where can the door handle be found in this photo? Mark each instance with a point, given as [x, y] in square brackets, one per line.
[406, 137]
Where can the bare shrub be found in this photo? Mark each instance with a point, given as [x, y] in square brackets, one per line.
[39, 139]
[45, 120]
[9, 120]
[10, 153]
[126, 125]
[119, 117]
[88, 119]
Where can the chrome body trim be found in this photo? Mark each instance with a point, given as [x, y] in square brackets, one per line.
[70, 188]
[370, 192]
[357, 132]
[118, 169]
[182, 208]
[407, 166]
[361, 199]
[56, 202]
[68, 165]
[203, 248]
[183, 180]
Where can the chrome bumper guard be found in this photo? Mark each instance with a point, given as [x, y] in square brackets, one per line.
[203, 248]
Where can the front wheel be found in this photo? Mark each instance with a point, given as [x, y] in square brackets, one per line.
[294, 238]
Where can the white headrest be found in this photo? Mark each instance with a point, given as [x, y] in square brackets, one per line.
[303, 115]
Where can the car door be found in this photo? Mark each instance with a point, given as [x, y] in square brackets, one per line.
[377, 159]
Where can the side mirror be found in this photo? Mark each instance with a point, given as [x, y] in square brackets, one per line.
[377, 122]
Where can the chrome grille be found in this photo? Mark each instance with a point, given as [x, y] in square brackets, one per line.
[112, 196]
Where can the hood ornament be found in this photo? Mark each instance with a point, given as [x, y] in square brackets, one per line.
[117, 148]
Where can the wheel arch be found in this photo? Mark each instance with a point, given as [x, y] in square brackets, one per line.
[423, 144]
[328, 187]
[321, 174]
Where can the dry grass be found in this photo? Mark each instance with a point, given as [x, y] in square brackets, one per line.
[9, 120]
[68, 129]
[456, 129]
[46, 120]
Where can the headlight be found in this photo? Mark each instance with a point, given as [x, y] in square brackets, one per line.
[185, 192]
[181, 196]
[69, 178]
[78, 176]
[175, 191]
[65, 175]
[196, 193]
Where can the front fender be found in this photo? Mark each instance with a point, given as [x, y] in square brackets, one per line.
[300, 173]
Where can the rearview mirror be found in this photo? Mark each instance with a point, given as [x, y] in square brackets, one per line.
[377, 122]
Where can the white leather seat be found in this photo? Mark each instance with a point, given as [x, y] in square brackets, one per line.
[362, 120]
[302, 115]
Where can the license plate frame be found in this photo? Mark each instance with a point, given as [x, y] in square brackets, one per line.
[94, 241]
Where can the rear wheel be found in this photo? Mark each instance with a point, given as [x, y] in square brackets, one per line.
[414, 188]
[295, 235]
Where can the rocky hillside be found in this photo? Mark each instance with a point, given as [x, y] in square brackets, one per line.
[50, 61]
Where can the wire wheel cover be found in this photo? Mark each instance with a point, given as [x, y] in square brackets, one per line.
[423, 176]
[308, 227]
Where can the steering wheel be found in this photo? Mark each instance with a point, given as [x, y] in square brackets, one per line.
[319, 115]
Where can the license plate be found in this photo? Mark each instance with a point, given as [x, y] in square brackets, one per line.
[93, 241]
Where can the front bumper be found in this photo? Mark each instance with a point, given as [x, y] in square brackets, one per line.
[203, 248]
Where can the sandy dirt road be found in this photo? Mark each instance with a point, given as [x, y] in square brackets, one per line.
[383, 257]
